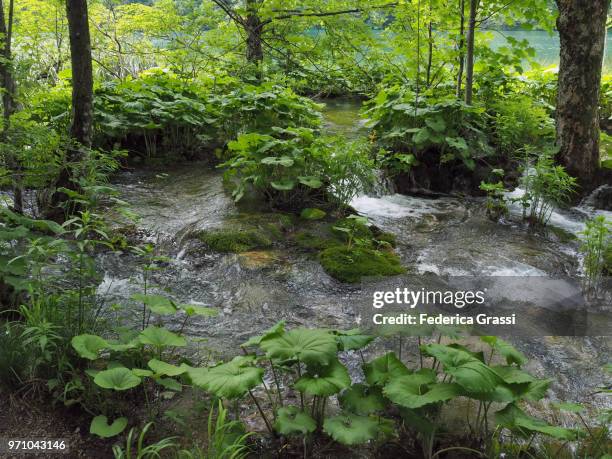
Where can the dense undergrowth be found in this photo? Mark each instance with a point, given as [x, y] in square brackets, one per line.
[171, 87]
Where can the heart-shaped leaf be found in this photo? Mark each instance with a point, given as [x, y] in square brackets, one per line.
[362, 399]
[417, 390]
[324, 380]
[351, 429]
[232, 379]
[379, 371]
[157, 303]
[88, 346]
[311, 182]
[160, 337]
[117, 379]
[310, 346]
[291, 421]
[99, 426]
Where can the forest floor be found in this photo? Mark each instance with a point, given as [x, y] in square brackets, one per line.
[24, 418]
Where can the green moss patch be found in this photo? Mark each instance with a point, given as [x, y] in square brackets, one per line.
[235, 241]
[351, 264]
[308, 240]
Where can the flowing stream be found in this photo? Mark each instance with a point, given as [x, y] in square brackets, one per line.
[252, 291]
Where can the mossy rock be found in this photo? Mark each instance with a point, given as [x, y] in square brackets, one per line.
[311, 213]
[234, 241]
[351, 264]
[258, 259]
[310, 241]
[389, 238]
[360, 231]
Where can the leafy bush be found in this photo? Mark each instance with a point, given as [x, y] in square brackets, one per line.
[596, 245]
[519, 122]
[167, 114]
[448, 130]
[546, 186]
[294, 167]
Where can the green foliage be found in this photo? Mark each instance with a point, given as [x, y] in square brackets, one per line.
[597, 247]
[351, 429]
[546, 186]
[439, 132]
[496, 201]
[294, 167]
[100, 426]
[234, 241]
[520, 122]
[231, 380]
[350, 264]
[310, 213]
[291, 421]
[140, 450]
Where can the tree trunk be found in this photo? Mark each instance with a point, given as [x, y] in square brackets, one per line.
[582, 31]
[461, 48]
[253, 28]
[469, 72]
[81, 127]
[7, 82]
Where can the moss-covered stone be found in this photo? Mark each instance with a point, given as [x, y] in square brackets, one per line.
[311, 213]
[358, 230]
[310, 241]
[389, 238]
[235, 241]
[351, 264]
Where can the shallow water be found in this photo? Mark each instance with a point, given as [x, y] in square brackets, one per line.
[444, 236]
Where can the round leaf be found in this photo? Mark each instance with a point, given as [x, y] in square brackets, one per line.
[160, 337]
[310, 346]
[362, 399]
[291, 421]
[117, 378]
[324, 380]
[99, 426]
[350, 429]
[88, 346]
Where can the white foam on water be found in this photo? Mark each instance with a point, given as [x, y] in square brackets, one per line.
[395, 206]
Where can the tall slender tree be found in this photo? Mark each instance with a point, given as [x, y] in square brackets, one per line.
[7, 82]
[81, 127]
[582, 31]
[469, 65]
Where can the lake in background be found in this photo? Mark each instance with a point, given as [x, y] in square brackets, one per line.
[546, 46]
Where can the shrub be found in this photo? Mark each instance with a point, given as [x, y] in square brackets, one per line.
[519, 121]
[597, 248]
[448, 129]
[350, 264]
[546, 186]
[295, 167]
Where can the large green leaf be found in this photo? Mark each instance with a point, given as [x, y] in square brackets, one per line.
[160, 337]
[419, 389]
[351, 429]
[310, 346]
[352, 339]
[379, 371]
[99, 426]
[232, 379]
[324, 380]
[516, 420]
[284, 161]
[117, 379]
[283, 185]
[88, 346]
[310, 181]
[291, 421]
[509, 352]
[159, 304]
[276, 330]
[163, 368]
[362, 399]
[469, 372]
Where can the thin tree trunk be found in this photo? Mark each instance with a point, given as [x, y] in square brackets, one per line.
[430, 48]
[582, 32]
[469, 73]
[253, 28]
[8, 101]
[81, 127]
[461, 48]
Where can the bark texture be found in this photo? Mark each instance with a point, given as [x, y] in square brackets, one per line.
[81, 128]
[582, 31]
[469, 67]
[253, 26]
